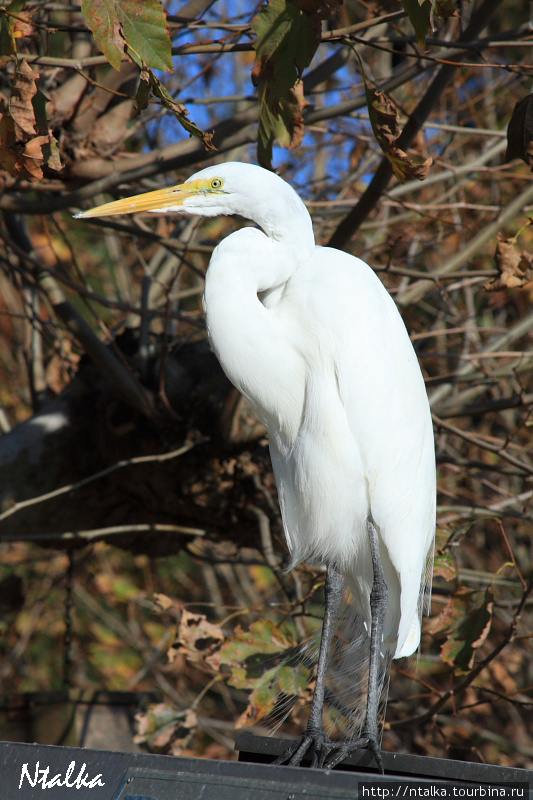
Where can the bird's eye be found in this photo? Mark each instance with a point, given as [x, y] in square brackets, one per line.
[216, 183]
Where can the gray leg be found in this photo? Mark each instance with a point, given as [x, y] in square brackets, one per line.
[333, 593]
[378, 607]
[314, 734]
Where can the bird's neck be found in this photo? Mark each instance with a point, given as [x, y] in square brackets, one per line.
[247, 337]
[295, 234]
[286, 221]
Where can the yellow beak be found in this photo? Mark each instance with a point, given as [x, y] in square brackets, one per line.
[168, 199]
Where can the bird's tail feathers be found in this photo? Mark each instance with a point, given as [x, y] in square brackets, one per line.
[425, 594]
[349, 671]
[347, 684]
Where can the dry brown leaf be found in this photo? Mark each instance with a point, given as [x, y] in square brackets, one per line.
[515, 268]
[26, 143]
[20, 103]
[199, 639]
[33, 157]
[296, 94]
[384, 120]
[167, 602]
[8, 146]
[23, 26]
[465, 623]
[501, 677]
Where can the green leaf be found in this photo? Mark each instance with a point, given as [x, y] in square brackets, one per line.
[443, 567]
[258, 659]
[419, 13]
[116, 24]
[443, 563]
[252, 653]
[104, 21]
[287, 39]
[161, 724]
[286, 126]
[286, 42]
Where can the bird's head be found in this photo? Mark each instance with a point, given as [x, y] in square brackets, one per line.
[230, 188]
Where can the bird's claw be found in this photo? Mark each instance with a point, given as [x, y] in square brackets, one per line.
[327, 754]
[344, 749]
[318, 742]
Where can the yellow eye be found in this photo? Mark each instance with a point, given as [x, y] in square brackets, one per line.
[216, 183]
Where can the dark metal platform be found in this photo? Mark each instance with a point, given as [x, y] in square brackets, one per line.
[264, 750]
[28, 772]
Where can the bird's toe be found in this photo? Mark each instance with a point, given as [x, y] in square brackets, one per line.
[341, 750]
[314, 744]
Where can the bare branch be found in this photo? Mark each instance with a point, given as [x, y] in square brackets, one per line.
[381, 179]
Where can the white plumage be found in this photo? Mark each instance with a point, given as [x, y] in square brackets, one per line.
[326, 361]
[312, 338]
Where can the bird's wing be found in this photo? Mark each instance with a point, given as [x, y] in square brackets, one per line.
[382, 394]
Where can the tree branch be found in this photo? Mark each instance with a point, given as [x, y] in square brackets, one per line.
[232, 132]
[381, 179]
[116, 372]
[484, 445]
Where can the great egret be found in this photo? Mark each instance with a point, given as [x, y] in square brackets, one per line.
[312, 338]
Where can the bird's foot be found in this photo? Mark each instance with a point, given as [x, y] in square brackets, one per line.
[326, 754]
[315, 742]
[340, 750]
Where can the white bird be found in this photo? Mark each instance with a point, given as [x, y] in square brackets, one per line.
[314, 341]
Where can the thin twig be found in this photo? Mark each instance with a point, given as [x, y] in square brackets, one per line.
[103, 533]
[483, 444]
[157, 458]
